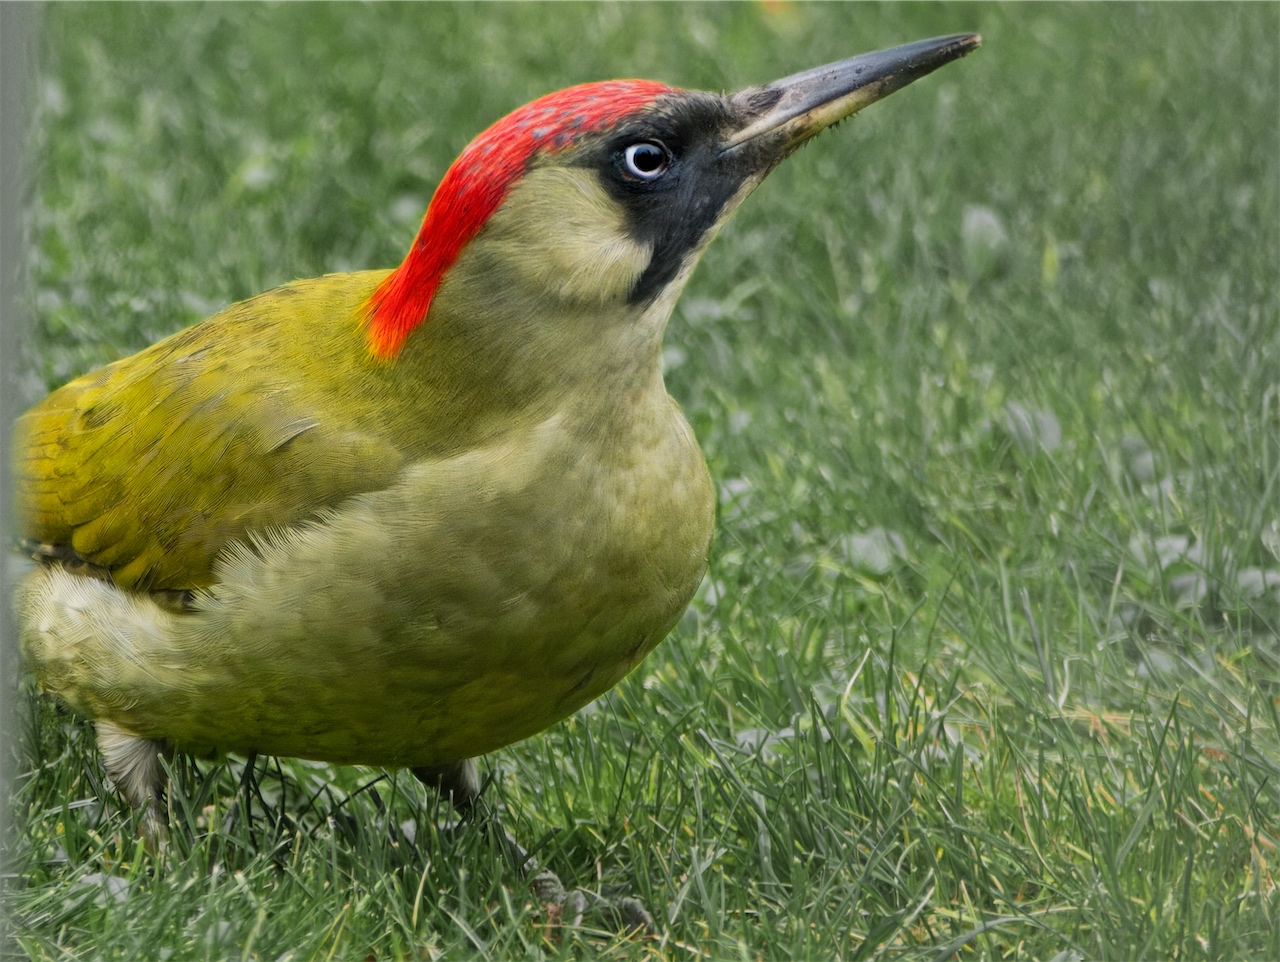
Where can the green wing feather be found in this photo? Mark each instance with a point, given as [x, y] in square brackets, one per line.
[150, 466]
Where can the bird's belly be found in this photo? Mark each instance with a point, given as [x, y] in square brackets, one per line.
[472, 604]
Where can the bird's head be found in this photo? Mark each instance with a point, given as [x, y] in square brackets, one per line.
[600, 198]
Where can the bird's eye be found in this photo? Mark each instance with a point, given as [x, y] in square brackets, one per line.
[646, 160]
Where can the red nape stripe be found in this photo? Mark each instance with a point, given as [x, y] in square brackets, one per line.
[476, 183]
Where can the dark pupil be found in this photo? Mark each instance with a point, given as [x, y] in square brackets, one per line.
[647, 158]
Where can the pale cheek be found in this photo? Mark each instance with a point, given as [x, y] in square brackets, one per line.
[604, 268]
[561, 232]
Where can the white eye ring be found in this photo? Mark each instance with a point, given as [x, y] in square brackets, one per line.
[647, 160]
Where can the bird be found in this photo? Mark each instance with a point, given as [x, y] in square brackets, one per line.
[406, 517]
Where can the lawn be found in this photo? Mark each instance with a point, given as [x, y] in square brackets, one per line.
[987, 664]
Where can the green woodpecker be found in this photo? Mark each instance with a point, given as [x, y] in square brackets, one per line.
[404, 518]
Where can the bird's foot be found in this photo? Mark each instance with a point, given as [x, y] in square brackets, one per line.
[567, 909]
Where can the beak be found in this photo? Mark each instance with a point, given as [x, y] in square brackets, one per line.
[782, 115]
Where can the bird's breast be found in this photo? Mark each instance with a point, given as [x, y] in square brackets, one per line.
[471, 603]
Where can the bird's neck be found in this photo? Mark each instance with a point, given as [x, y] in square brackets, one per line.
[528, 356]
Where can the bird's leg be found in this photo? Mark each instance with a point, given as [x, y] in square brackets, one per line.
[134, 767]
[244, 800]
[460, 783]
[457, 782]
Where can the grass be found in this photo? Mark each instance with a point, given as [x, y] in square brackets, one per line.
[988, 660]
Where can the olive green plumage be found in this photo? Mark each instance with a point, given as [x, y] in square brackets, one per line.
[152, 465]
